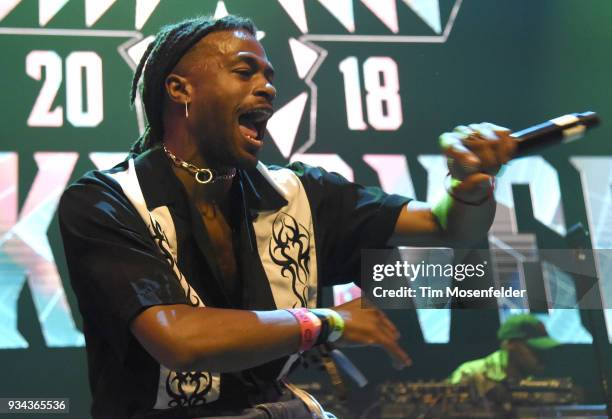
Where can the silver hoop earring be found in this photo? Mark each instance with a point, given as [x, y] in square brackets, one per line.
[186, 111]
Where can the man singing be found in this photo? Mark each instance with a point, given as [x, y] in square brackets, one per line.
[198, 269]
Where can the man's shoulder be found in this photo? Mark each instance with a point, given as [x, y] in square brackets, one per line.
[92, 187]
[98, 177]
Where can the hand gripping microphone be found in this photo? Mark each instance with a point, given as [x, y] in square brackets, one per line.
[532, 140]
[563, 129]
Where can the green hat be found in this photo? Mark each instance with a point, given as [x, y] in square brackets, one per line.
[528, 328]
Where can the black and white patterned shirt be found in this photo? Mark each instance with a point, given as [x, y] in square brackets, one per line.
[295, 230]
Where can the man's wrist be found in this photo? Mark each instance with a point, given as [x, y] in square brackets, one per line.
[333, 324]
[474, 195]
[310, 327]
[317, 326]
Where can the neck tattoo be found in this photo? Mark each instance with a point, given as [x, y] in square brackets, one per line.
[201, 175]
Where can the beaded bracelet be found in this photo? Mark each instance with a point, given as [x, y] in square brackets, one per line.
[310, 327]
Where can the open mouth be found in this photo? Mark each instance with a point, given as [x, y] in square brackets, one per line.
[252, 123]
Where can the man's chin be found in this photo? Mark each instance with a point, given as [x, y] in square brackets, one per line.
[243, 158]
[247, 161]
[247, 151]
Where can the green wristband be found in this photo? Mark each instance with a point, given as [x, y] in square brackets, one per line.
[335, 321]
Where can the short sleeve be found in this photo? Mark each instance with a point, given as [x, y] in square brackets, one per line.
[348, 217]
[116, 270]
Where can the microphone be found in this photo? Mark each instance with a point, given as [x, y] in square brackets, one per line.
[563, 129]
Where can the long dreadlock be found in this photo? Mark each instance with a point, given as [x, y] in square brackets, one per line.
[161, 56]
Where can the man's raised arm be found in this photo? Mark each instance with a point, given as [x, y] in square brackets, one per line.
[465, 213]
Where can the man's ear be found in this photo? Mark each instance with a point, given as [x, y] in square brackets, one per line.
[178, 88]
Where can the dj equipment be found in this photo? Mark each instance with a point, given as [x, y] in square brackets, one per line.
[528, 399]
[440, 399]
[544, 392]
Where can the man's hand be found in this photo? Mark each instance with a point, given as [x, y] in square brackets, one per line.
[475, 154]
[370, 326]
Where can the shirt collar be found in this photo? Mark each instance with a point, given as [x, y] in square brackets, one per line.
[260, 190]
[161, 187]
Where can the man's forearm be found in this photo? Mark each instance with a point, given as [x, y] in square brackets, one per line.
[233, 340]
[185, 338]
[212, 339]
[463, 224]
[448, 223]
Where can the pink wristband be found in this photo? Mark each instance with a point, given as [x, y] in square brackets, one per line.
[310, 327]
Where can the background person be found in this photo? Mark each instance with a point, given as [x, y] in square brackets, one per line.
[522, 339]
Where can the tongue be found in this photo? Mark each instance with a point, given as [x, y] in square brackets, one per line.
[248, 129]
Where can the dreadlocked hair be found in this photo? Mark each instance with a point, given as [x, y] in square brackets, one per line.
[161, 56]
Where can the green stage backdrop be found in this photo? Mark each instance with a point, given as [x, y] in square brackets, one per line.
[365, 88]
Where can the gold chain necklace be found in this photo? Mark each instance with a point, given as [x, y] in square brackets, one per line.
[202, 175]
